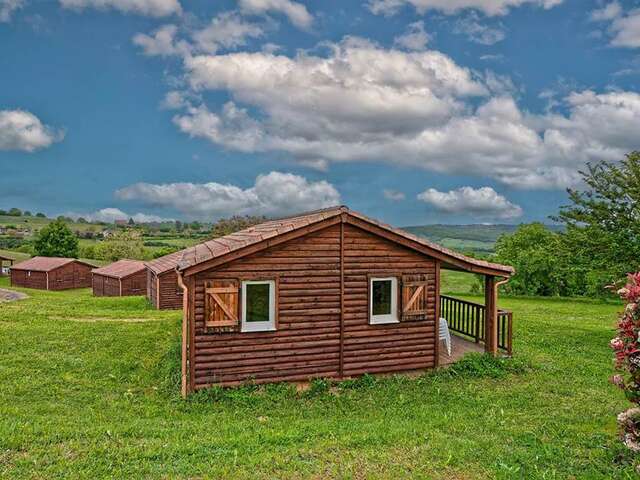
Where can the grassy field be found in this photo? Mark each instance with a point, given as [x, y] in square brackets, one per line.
[89, 390]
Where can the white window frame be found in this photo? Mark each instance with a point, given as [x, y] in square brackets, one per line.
[268, 326]
[386, 318]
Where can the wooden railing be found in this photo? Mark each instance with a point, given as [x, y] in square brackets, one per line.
[468, 319]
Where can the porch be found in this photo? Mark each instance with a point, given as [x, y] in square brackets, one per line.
[469, 328]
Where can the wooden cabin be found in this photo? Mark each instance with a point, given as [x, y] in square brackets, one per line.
[51, 273]
[163, 290]
[331, 294]
[5, 264]
[120, 279]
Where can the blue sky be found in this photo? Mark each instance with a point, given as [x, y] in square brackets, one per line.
[411, 111]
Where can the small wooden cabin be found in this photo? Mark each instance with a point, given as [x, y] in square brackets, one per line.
[329, 293]
[51, 273]
[5, 264]
[120, 279]
[163, 290]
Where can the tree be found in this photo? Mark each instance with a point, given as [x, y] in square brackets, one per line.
[15, 212]
[56, 240]
[27, 213]
[533, 250]
[41, 215]
[602, 224]
[120, 244]
[225, 226]
[131, 222]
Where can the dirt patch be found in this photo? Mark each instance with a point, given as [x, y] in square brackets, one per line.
[11, 296]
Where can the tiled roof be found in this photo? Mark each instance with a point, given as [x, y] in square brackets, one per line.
[166, 263]
[121, 268]
[44, 264]
[229, 243]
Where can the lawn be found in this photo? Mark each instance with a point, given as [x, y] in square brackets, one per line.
[89, 390]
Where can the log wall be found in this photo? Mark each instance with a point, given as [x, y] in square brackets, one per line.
[71, 275]
[309, 341]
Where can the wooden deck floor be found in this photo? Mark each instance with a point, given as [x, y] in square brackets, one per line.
[459, 346]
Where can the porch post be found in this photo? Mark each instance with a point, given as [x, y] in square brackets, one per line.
[491, 315]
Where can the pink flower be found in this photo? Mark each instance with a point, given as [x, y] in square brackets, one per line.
[617, 344]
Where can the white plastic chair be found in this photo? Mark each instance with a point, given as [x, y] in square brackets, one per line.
[445, 335]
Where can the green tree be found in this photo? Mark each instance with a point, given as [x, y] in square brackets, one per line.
[603, 225]
[56, 240]
[41, 215]
[120, 244]
[533, 250]
[225, 226]
[15, 212]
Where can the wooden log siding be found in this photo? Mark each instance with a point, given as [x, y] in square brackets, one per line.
[163, 291]
[309, 341]
[68, 276]
[400, 346]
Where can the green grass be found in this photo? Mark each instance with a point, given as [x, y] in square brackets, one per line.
[87, 394]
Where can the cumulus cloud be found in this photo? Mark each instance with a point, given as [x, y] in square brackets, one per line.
[477, 32]
[450, 7]
[624, 27]
[296, 12]
[420, 109]
[393, 195]
[7, 7]
[22, 130]
[149, 8]
[110, 215]
[227, 30]
[485, 202]
[162, 42]
[272, 194]
[608, 12]
[415, 38]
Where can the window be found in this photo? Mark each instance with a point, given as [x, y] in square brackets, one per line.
[258, 306]
[383, 300]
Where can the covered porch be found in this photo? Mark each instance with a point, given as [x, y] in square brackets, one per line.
[475, 327]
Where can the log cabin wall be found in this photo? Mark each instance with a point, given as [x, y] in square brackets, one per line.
[28, 279]
[104, 286]
[152, 291]
[170, 293]
[135, 284]
[306, 343]
[71, 275]
[309, 341]
[392, 347]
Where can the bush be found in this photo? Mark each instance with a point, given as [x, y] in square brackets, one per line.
[56, 240]
[119, 245]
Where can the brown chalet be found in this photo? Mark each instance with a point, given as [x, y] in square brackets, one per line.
[51, 273]
[163, 290]
[120, 279]
[329, 293]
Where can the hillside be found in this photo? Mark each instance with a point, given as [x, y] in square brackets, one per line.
[474, 238]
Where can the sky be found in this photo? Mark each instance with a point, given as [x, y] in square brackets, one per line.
[410, 111]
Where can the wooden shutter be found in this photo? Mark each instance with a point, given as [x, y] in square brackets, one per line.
[416, 298]
[221, 303]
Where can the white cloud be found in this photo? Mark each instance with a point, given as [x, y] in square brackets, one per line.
[296, 12]
[7, 7]
[22, 130]
[449, 7]
[415, 38]
[608, 12]
[393, 195]
[363, 103]
[624, 27]
[484, 202]
[478, 32]
[162, 42]
[150, 8]
[227, 30]
[272, 194]
[110, 215]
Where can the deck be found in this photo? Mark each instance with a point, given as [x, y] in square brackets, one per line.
[459, 347]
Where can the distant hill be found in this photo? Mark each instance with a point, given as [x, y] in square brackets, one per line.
[467, 238]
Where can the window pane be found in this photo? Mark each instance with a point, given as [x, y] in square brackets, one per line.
[257, 302]
[381, 297]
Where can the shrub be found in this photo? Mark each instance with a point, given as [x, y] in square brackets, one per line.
[56, 240]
